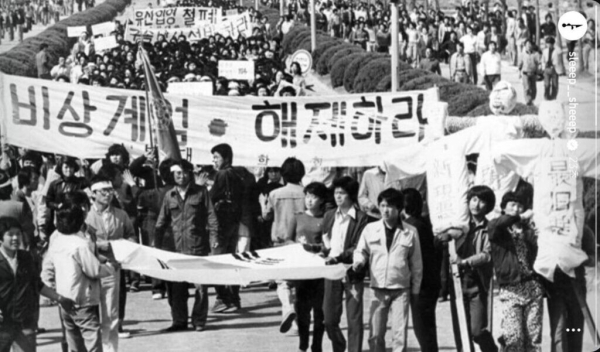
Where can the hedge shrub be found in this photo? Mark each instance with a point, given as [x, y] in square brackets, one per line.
[369, 76]
[351, 49]
[288, 39]
[410, 74]
[322, 46]
[352, 70]
[520, 109]
[424, 82]
[323, 67]
[385, 84]
[339, 67]
[306, 43]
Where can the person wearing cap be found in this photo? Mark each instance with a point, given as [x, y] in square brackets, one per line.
[551, 66]
[107, 223]
[188, 210]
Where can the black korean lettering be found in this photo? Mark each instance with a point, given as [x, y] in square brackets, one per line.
[338, 117]
[183, 109]
[120, 108]
[132, 117]
[18, 105]
[142, 122]
[396, 132]
[269, 113]
[374, 120]
[68, 128]
[289, 125]
[46, 107]
[160, 22]
[184, 112]
[314, 122]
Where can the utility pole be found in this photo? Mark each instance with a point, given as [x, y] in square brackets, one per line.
[394, 60]
[313, 27]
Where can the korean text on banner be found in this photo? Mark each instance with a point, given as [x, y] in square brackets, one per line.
[230, 27]
[73, 32]
[104, 28]
[349, 130]
[175, 17]
[236, 69]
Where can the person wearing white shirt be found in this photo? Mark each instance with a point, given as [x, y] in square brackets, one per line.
[469, 41]
[491, 65]
[72, 254]
[371, 185]
[341, 231]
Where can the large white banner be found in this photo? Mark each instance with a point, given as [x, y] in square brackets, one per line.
[83, 121]
[229, 27]
[282, 263]
[174, 17]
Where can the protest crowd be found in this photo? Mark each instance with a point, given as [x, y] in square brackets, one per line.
[59, 214]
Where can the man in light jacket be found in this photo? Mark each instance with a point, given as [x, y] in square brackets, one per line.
[71, 255]
[392, 250]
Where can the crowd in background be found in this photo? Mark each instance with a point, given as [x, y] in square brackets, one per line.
[180, 60]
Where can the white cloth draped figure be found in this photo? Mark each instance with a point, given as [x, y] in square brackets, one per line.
[555, 167]
[443, 160]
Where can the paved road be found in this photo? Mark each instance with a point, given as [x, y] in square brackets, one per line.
[254, 328]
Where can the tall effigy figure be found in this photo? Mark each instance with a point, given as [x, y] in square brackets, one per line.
[443, 159]
[555, 166]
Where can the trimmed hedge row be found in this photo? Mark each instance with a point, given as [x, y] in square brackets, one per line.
[355, 66]
[324, 63]
[340, 65]
[370, 75]
[20, 60]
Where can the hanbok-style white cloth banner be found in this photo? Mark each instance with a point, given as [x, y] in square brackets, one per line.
[175, 17]
[282, 263]
[83, 121]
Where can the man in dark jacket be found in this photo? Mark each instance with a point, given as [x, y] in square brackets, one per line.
[342, 227]
[226, 195]
[188, 210]
[423, 310]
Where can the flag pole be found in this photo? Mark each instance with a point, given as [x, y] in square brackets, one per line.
[153, 145]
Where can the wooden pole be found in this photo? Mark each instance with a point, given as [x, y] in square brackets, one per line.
[395, 53]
